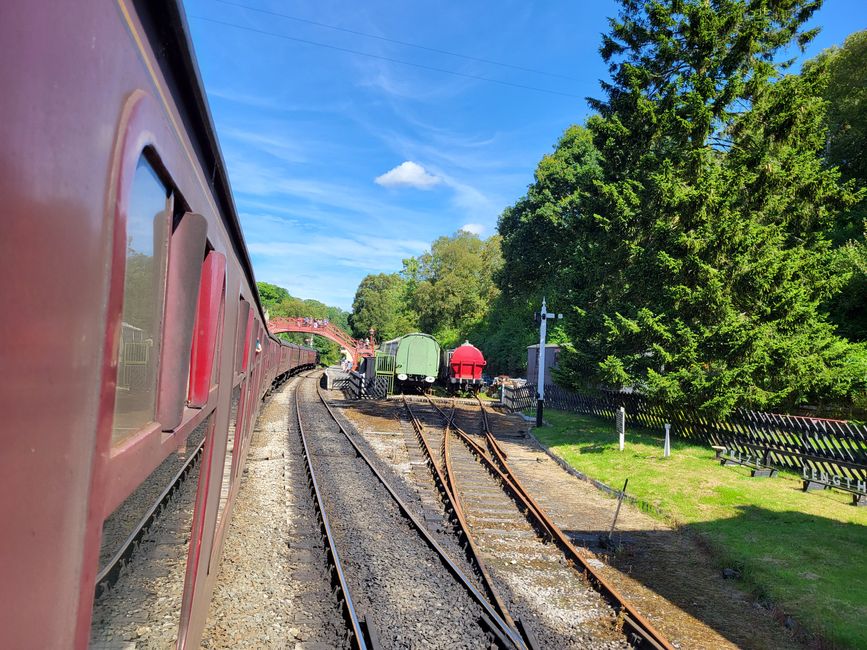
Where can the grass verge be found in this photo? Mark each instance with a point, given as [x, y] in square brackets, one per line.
[805, 553]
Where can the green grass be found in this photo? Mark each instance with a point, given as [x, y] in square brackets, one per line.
[806, 553]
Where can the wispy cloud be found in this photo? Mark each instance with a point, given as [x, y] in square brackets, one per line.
[360, 252]
[328, 203]
[270, 141]
[252, 100]
[408, 174]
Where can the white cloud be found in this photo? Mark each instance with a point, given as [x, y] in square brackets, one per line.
[474, 228]
[408, 174]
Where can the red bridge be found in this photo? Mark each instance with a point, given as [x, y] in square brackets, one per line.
[356, 348]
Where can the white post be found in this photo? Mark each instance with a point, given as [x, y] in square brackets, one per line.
[666, 452]
[540, 369]
[540, 374]
[543, 334]
[621, 426]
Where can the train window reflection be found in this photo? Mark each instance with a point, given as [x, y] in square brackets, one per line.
[143, 288]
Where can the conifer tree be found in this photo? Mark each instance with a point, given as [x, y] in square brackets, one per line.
[699, 258]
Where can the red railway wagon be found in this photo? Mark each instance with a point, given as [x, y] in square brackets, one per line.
[130, 314]
[466, 363]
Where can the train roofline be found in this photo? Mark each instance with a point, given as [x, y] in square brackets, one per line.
[165, 24]
[430, 336]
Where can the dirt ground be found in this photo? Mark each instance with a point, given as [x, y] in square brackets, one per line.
[666, 573]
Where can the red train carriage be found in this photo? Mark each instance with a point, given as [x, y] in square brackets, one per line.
[466, 364]
[130, 316]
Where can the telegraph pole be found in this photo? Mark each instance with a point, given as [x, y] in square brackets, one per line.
[544, 315]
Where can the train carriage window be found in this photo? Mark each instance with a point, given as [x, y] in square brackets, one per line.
[147, 224]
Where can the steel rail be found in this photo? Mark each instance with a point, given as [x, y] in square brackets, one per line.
[643, 632]
[505, 634]
[488, 461]
[446, 486]
[109, 575]
[638, 623]
[331, 547]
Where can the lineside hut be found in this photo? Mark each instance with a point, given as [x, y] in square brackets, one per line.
[552, 358]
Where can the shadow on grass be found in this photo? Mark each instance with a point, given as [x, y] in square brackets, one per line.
[796, 568]
[821, 602]
[592, 449]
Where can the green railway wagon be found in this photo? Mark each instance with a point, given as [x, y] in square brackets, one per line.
[417, 358]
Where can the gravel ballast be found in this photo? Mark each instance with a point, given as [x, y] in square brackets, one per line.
[397, 581]
[273, 590]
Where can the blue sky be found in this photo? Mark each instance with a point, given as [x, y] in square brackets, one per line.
[344, 164]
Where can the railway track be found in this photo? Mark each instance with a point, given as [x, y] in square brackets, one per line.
[533, 574]
[139, 591]
[399, 586]
[275, 587]
[360, 633]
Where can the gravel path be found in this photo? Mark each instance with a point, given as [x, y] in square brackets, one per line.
[396, 580]
[274, 589]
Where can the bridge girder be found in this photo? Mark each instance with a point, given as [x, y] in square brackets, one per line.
[357, 348]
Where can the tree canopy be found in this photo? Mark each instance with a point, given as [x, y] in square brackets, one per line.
[843, 73]
[685, 229]
[454, 285]
[380, 304]
[445, 292]
[279, 302]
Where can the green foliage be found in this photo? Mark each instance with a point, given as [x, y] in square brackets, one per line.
[139, 296]
[447, 292]
[538, 247]
[687, 225]
[278, 302]
[381, 304]
[849, 308]
[843, 71]
[536, 231]
[455, 285]
[846, 94]
[504, 334]
[272, 295]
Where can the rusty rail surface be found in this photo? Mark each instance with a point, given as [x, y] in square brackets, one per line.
[637, 623]
[643, 633]
[504, 634]
[446, 487]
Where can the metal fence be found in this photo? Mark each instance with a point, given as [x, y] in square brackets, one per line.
[361, 387]
[791, 442]
[336, 379]
[518, 399]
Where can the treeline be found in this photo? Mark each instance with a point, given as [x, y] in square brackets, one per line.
[279, 302]
[446, 292]
[703, 231]
[453, 292]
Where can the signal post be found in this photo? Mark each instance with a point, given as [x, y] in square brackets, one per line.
[543, 317]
